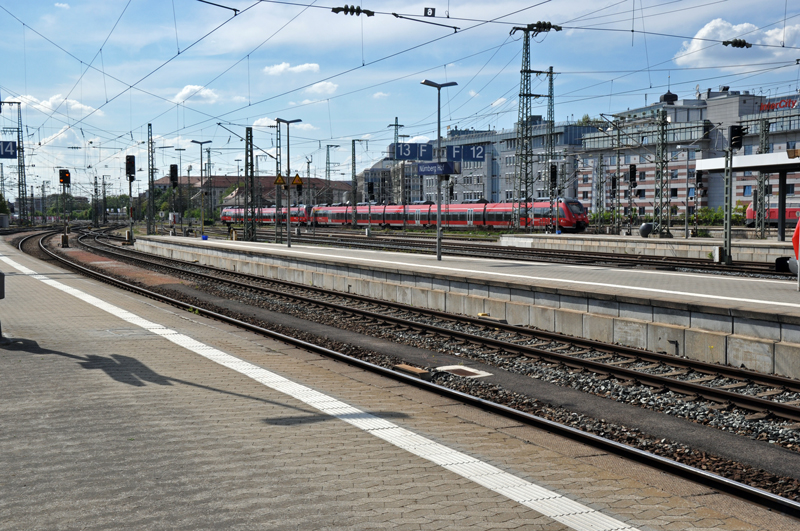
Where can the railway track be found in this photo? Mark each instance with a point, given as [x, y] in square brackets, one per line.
[768, 499]
[762, 394]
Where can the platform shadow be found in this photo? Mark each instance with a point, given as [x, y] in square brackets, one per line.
[129, 370]
[312, 419]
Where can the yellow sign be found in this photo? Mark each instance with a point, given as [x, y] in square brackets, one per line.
[297, 180]
[279, 180]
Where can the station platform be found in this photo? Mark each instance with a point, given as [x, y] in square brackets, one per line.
[122, 412]
[742, 249]
[719, 319]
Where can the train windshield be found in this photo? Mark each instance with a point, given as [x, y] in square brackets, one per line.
[575, 208]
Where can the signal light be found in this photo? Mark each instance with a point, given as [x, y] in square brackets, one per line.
[353, 10]
[299, 189]
[632, 173]
[736, 136]
[130, 167]
[553, 176]
[173, 175]
[613, 184]
[698, 178]
[63, 177]
[370, 188]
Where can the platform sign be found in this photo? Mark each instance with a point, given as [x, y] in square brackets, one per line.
[8, 150]
[439, 168]
[413, 152]
[475, 153]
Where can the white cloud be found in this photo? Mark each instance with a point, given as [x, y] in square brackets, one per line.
[498, 101]
[420, 139]
[62, 6]
[61, 134]
[304, 127]
[197, 93]
[64, 105]
[379, 95]
[366, 137]
[472, 94]
[323, 87]
[276, 70]
[700, 53]
[264, 122]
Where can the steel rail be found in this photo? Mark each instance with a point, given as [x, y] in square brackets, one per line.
[722, 396]
[746, 492]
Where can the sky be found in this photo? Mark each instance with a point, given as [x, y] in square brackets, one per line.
[92, 74]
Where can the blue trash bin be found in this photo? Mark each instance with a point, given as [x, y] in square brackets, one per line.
[204, 237]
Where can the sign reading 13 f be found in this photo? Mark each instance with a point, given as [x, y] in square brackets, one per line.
[8, 150]
[474, 153]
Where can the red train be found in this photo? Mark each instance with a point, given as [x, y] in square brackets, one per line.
[572, 215]
[792, 214]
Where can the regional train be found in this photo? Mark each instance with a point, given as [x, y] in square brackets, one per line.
[571, 215]
[792, 214]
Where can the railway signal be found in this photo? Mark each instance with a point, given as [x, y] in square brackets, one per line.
[736, 135]
[130, 167]
[173, 175]
[632, 176]
[63, 177]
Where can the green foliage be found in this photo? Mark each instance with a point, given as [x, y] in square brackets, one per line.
[4, 206]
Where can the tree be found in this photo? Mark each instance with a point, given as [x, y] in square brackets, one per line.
[4, 206]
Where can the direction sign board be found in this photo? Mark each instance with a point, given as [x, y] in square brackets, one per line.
[413, 152]
[470, 153]
[8, 150]
[439, 168]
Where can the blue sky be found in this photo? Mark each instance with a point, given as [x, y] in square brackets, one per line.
[193, 66]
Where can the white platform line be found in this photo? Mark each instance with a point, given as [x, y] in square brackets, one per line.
[560, 508]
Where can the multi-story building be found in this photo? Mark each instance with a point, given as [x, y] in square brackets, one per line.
[696, 129]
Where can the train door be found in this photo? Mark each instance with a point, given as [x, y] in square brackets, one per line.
[416, 217]
[470, 217]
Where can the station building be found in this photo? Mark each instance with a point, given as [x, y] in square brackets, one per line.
[697, 129]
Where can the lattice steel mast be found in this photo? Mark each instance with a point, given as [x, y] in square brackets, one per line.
[249, 188]
[151, 172]
[661, 216]
[524, 157]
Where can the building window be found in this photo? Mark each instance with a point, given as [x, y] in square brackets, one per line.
[691, 174]
[790, 189]
[641, 211]
[691, 211]
[625, 193]
[748, 150]
[673, 192]
[585, 195]
[692, 154]
[627, 159]
[585, 178]
[642, 176]
[748, 191]
[673, 174]
[771, 148]
[640, 194]
[791, 144]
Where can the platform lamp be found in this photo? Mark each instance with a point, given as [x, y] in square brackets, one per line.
[202, 188]
[438, 87]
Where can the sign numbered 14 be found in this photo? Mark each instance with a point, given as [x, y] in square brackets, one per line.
[8, 150]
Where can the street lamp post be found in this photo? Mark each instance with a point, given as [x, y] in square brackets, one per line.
[288, 187]
[438, 87]
[202, 189]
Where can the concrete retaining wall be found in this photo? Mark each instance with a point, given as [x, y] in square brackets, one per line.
[749, 251]
[711, 334]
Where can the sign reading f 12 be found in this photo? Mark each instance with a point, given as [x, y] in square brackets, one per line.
[8, 150]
